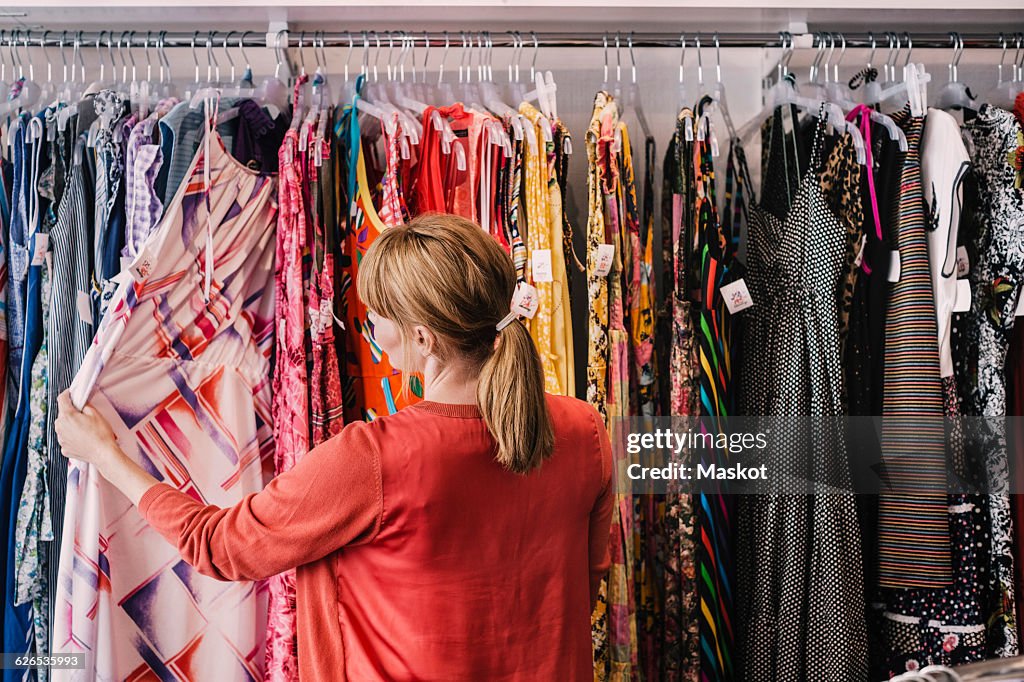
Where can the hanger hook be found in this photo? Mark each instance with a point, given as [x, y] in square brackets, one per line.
[842, 53]
[241, 48]
[536, 49]
[682, 56]
[348, 55]
[302, 55]
[195, 59]
[125, 37]
[874, 46]
[110, 45]
[211, 57]
[26, 39]
[426, 54]
[619, 59]
[46, 56]
[63, 57]
[227, 53]
[831, 38]
[632, 57]
[444, 58]
[78, 53]
[519, 52]
[700, 62]
[376, 54]
[718, 60]
[910, 49]
[323, 50]
[277, 52]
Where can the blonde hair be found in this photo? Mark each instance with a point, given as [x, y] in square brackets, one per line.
[444, 272]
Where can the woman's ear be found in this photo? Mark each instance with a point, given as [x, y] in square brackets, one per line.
[424, 340]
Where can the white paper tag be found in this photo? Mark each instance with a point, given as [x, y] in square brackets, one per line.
[962, 303]
[1020, 305]
[688, 130]
[894, 266]
[40, 244]
[963, 263]
[860, 251]
[84, 303]
[540, 261]
[603, 258]
[737, 296]
[525, 300]
[142, 266]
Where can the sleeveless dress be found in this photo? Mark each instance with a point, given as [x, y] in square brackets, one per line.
[180, 367]
[798, 556]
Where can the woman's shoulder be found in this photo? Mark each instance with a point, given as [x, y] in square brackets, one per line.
[574, 417]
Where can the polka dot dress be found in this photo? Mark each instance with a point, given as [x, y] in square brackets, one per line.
[800, 600]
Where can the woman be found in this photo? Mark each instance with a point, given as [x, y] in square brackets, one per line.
[461, 538]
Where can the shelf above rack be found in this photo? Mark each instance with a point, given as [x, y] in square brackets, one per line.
[523, 15]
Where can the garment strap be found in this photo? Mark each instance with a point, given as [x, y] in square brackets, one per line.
[818, 146]
[864, 113]
[211, 105]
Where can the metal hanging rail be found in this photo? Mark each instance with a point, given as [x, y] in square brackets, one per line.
[456, 39]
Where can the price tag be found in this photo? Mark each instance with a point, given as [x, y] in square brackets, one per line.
[737, 296]
[40, 244]
[84, 303]
[1020, 306]
[525, 300]
[142, 266]
[860, 251]
[894, 266]
[540, 261]
[603, 258]
[962, 303]
[963, 263]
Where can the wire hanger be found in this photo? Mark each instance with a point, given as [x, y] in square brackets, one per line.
[633, 92]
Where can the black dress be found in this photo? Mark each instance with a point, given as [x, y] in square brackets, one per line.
[799, 567]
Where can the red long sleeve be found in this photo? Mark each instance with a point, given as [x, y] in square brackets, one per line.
[419, 556]
[332, 498]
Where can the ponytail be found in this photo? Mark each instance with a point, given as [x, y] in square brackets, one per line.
[510, 394]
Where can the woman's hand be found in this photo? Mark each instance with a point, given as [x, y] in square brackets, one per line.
[84, 434]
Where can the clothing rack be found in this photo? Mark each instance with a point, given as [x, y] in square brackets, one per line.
[133, 39]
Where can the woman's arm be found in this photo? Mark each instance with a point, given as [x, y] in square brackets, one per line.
[331, 498]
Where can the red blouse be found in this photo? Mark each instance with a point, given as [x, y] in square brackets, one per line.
[419, 557]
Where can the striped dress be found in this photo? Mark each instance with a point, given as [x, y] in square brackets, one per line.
[913, 518]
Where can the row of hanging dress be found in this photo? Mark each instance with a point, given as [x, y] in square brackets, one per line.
[207, 309]
[915, 576]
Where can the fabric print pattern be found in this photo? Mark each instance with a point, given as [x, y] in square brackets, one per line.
[184, 381]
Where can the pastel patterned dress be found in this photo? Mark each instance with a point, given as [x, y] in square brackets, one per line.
[180, 367]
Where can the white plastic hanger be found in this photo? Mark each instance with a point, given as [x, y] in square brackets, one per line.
[272, 92]
[542, 94]
[954, 94]
[913, 88]
[1006, 91]
[781, 92]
